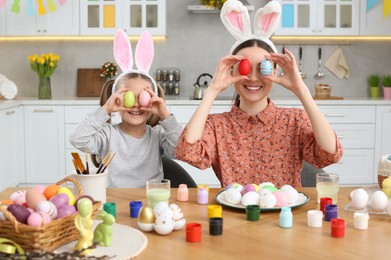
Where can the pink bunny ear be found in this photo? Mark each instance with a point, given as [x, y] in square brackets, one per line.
[122, 51]
[144, 52]
[266, 19]
[236, 19]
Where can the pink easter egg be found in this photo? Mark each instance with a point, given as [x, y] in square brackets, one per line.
[249, 187]
[48, 207]
[37, 219]
[281, 198]
[144, 98]
[60, 200]
[40, 188]
[18, 197]
[65, 211]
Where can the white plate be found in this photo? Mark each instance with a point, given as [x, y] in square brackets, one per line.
[128, 243]
[301, 200]
[8, 89]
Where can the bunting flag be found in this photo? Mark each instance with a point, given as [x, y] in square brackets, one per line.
[52, 6]
[41, 8]
[371, 4]
[2, 3]
[30, 8]
[387, 8]
[15, 8]
[62, 2]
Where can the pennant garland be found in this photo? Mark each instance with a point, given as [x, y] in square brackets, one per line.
[30, 8]
[387, 8]
[371, 4]
[15, 7]
[2, 3]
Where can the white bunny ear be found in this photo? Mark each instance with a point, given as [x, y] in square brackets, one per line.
[236, 19]
[266, 19]
[122, 51]
[144, 52]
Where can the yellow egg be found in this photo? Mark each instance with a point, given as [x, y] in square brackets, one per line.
[146, 215]
[68, 192]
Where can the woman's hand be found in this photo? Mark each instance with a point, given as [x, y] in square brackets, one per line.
[156, 106]
[223, 76]
[291, 79]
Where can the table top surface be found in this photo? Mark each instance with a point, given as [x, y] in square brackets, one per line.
[263, 238]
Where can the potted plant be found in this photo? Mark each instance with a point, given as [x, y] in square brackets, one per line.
[374, 81]
[387, 87]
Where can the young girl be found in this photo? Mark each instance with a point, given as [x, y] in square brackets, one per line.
[138, 146]
[257, 141]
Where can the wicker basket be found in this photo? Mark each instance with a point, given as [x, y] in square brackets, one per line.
[381, 176]
[47, 237]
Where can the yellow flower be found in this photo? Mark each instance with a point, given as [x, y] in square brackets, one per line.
[45, 64]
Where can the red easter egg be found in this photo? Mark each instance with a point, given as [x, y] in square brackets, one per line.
[244, 67]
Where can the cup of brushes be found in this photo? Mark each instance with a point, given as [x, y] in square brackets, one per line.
[93, 181]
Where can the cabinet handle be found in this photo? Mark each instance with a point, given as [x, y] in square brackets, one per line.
[10, 112]
[43, 110]
[335, 114]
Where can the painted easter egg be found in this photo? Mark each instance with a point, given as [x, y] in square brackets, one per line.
[128, 99]
[19, 212]
[144, 98]
[68, 192]
[266, 67]
[33, 197]
[244, 67]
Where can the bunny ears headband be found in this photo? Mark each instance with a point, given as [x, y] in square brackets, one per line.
[143, 56]
[236, 19]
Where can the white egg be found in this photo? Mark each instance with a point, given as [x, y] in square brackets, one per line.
[165, 222]
[147, 227]
[179, 218]
[378, 201]
[263, 192]
[285, 187]
[263, 184]
[232, 196]
[250, 198]
[48, 207]
[359, 198]
[291, 194]
[268, 201]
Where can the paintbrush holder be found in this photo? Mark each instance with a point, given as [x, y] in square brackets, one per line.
[93, 184]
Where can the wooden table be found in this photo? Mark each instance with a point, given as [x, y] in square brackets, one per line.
[263, 239]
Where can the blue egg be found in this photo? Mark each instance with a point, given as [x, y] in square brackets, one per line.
[266, 67]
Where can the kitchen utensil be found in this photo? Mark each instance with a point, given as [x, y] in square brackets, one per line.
[320, 74]
[200, 89]
[302, 74]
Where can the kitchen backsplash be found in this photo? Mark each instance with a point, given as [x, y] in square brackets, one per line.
[193, 47]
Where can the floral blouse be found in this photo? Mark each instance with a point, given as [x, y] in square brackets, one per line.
[270, 146]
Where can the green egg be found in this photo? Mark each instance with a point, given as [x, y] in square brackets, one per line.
[270, 188]
[129, 99]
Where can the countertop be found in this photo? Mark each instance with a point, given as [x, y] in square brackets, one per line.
[181, 100]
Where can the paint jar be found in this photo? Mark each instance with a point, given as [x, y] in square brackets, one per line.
[286, 217]
[361, 220]
[314, 218]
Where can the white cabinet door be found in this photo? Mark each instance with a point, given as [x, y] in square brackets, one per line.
[101, 17]
[62, 21]
[44, 139]
[11, 159]
[2, 22]
[372, 21]
[319, 17]
[383, 136]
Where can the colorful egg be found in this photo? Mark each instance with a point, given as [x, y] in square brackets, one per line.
[281, 199]
[144, 98]
[19, 212]
[291, 193]
[50, 191]
[65, 190]
[164, 223]
[33, 197]
[128, 99]
[232, 196]
[236, 186]
[47, 207]
[244, 67]
[19, 197]
[65, 211]
[146, 219]
[266, 67]
[40, 188]
[60, 200]
[37, 219]
[179, 218]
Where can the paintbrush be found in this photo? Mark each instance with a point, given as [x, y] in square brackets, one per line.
[79, 162]
[87, 168]
[103, 162]
[76, 167]
[105, 167]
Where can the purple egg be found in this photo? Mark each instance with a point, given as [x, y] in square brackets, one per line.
[247, 188]
[65, 211]
[60, 200]
[19, 212]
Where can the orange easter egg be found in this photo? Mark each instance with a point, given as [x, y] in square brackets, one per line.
[51, 190]
[6, 202]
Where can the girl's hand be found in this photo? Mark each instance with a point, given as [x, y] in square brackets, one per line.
[156, 106]
[223, 76]
[291, 79]
[115, 102]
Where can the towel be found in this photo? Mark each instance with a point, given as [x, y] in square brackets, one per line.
[338, 65]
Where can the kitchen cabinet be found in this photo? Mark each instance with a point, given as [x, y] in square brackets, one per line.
[2, 21]
[319, 17]
[44, 144]
[11, 140]
[102, 17]
[383, 133]
[62, 21]
[373, 22]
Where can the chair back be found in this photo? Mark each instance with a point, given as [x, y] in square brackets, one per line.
[176, 174]
[308, 175]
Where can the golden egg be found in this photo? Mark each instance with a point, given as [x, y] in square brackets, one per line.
[146, 215]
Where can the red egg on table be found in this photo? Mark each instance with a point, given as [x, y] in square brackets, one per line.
[144, 98]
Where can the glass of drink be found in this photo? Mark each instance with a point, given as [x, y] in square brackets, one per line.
[327, 185]
[158, 191]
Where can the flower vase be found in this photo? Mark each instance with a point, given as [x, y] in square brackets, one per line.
[387, 93]
[374, 92]
[44, 88]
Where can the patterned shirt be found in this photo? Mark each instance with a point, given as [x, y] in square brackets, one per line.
[270, 146]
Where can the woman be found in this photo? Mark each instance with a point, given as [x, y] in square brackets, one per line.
[257, 141]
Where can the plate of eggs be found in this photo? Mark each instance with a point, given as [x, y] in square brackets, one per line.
[266, 195]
